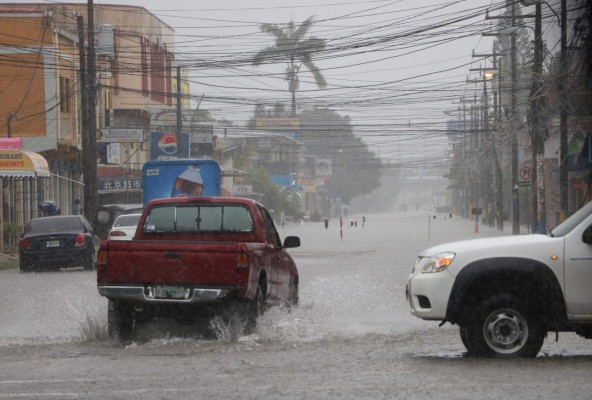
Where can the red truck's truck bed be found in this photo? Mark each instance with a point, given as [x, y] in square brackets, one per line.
[203, 263]
[195, 255]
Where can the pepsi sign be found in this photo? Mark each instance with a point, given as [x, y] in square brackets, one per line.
[163, 145]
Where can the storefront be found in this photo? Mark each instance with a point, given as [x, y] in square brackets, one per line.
[24, 177]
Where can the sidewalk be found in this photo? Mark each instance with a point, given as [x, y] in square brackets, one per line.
[8, 257]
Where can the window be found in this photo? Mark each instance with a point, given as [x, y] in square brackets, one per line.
[199, 218]
[54, 225]
[65, 106]
[157, 73]
[271, 233]
[160, 219]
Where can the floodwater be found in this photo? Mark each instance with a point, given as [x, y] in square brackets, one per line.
[351, 337]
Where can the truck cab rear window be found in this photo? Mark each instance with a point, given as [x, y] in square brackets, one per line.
[203, 218]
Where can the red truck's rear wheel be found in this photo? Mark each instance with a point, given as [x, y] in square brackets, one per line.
[254, 310]
[120, 320]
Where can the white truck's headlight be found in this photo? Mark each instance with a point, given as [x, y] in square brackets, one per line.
[437, 263]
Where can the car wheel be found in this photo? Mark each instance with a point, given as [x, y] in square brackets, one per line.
[120, 320]
[26, 267]
[502, 327]
[88, 263]
[255, 309]
[463, 338]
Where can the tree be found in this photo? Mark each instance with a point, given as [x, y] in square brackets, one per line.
[273, 197]
[356, 170]
[292, 45]
[325, 134]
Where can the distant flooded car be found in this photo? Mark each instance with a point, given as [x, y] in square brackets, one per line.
[56, 242]
[124, 227]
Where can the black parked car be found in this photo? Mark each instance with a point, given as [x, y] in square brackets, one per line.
[60, 241]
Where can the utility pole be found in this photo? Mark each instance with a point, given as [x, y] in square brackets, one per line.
[537, 133]
[499, 181]
[563, 183]
[498, 187]
[486, 145]
[83, 87]
[489, 166]
[179, 122]
[90, 158]
[514, 135]
[10, 116]
[466, 143]
[511, 117]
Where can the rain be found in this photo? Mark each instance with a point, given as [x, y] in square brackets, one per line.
[395, 127]
[350, 335]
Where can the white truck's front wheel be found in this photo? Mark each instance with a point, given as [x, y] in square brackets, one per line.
[502, 327]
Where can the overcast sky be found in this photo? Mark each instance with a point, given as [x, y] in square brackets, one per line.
[393, 66]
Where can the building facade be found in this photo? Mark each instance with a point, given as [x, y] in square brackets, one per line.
[40, 98]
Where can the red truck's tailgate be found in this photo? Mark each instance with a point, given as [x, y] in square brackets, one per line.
[191, 263]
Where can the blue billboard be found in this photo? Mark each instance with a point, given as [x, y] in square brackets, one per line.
[180, 178]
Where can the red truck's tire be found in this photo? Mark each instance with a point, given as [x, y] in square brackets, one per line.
[255, 308]
[294, 297]
[120, 322]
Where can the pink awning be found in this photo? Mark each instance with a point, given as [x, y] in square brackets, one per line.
[11, 143]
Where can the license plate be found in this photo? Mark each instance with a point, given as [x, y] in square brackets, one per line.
[170, 292]
[52, 243]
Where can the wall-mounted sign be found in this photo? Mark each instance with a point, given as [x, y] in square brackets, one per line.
[121, 136]
[109, 184]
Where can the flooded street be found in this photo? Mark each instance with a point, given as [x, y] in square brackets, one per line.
[351, 337]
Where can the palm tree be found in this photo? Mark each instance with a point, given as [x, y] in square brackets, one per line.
[292, 45]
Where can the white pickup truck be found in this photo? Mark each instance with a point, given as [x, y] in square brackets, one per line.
[506, 293]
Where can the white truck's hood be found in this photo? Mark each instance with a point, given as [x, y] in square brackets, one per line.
[488, 243]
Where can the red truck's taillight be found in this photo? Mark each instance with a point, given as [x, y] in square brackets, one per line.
[242, 260]
[102, 257]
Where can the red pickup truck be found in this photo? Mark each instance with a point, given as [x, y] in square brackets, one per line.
[193, 258]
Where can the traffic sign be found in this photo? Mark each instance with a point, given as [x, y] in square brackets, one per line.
[525, 173]
[242, 189]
